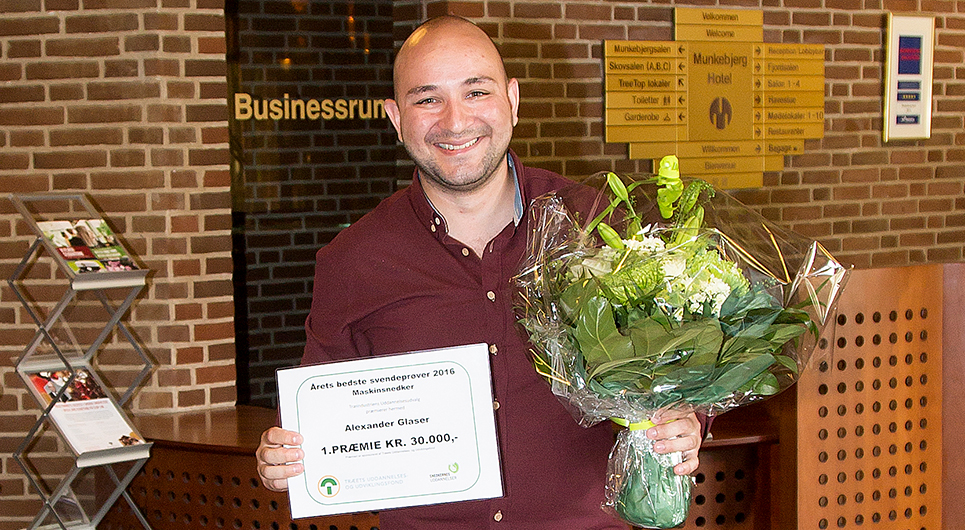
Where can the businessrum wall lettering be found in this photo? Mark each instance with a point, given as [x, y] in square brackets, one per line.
[312, 151]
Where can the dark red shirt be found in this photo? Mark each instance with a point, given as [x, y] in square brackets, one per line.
[394, 282]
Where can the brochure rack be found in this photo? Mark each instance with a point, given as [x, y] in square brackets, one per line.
[62, 373]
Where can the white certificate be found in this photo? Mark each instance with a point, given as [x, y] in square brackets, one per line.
[393, 431]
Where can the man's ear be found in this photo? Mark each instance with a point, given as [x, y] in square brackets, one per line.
[392, 109]
[512, 88]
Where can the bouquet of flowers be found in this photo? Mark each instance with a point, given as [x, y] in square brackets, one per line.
[707, 308]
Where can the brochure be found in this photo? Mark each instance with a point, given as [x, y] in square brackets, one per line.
[88, 245]
[93, 425]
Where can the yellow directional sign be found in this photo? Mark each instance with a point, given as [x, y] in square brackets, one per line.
[727, 104]
[788, 99]
[789, 131]
[652, 65]
[718, 25]
[710, 166]
[684, 16]
[811, 83]
[644, 100]
[688, 150]
[789, 51]
[788, 67]
[789, 115]
[731, 181]
[640, 49]
[639, 83]
[719, 34]
[785, 147]
[645, 116]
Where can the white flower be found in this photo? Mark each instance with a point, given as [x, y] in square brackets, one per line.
[718, 291]
[647, 245]
[673, 266]
[598, 265]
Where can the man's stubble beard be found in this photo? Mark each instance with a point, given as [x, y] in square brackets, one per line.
[493, 158]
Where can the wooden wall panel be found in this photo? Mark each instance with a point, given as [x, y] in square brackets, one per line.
[184, 488]
[870, 415]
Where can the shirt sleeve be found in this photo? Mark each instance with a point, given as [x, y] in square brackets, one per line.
[328, 326]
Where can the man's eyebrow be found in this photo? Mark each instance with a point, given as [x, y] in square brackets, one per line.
[415, 91]
[422, 89]
[479, 80]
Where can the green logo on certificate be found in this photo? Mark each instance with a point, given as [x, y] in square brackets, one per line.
[328, 486]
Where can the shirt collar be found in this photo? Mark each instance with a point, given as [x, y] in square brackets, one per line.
[437, 223]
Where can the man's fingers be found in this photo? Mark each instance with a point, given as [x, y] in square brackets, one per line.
[279, 455]
[276, 477]
[678, 433]
[277, 436]
[688, 466]
[673, 426]
[278, 473]
[277, 459]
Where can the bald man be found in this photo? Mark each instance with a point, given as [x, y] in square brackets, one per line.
[431, 267]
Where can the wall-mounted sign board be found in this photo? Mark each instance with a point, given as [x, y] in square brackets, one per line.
[727, 104]
[908, 77]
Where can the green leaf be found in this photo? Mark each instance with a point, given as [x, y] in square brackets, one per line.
[743, 348]
[574, 296]
[651, 340]
[733, 378]
[787, 362]
[779, 334]
[598, 336]
[602, 215]
[765, 384]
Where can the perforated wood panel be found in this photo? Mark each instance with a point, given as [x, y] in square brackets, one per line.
[731, 492]
[869, 438]
[187, 489]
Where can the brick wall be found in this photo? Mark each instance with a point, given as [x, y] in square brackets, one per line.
[144, 80]
[873, 204]
[124, 100]
[301, 181]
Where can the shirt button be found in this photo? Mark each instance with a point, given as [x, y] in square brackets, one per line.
[465, 252]
[437, 221]
[498, 516]
[495, 405]
[491, 296]
[493, 349]
[432, 227]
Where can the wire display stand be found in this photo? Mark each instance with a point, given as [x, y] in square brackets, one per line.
[59, 364]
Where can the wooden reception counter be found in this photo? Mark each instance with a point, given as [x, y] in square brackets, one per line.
[202, 475]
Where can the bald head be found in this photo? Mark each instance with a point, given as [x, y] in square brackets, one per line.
[449, 38]
[454, 108]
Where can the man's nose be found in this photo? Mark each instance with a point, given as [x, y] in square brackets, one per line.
[458, 116]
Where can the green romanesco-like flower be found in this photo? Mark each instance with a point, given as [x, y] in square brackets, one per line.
[708, 261]
[633, 280]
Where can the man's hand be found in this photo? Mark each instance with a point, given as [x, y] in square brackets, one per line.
[277, 461]
[676, 431]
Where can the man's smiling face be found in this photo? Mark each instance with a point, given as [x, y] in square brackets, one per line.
[454, 109]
